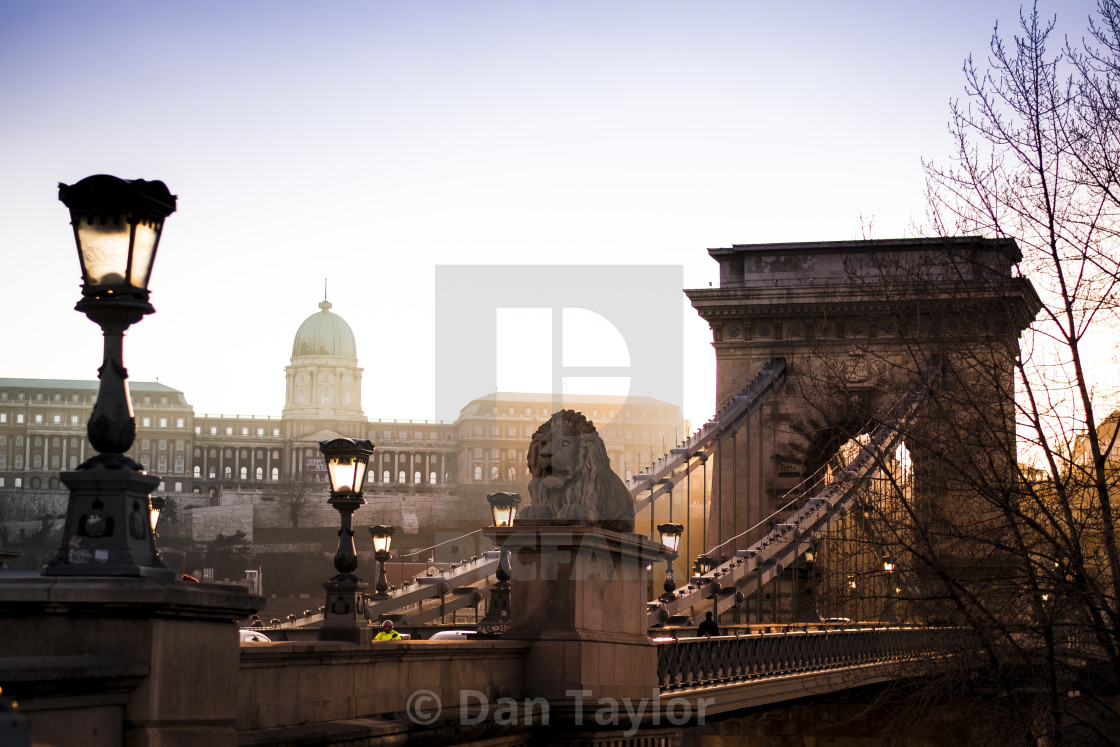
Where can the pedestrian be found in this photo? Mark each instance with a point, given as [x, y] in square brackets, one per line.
[387, 633]
[708, 627]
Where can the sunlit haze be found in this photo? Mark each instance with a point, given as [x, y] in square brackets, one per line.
[370, 142]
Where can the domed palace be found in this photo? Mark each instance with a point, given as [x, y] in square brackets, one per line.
[256, 476]
[324, 382]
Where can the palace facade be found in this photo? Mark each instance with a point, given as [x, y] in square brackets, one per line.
[224, 460]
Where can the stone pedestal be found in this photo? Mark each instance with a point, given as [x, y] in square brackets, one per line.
[136, 661]
[108, 525]
[578, 594]
[344, 616]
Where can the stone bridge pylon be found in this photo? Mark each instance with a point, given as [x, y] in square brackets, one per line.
[855, 323]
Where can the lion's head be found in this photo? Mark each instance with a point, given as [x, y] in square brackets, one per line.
[571, 476]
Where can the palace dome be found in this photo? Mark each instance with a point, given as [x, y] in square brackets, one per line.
[325, 334]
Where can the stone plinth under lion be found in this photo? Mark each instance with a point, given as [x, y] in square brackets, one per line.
[579, 581]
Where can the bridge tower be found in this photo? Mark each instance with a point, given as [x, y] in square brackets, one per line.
[855, 323]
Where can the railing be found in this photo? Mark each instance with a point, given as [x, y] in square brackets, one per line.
[743, 404]
[696, 662]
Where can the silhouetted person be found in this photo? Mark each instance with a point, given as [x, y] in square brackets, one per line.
[708, 627]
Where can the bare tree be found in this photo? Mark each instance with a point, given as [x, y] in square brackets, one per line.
[1028, 554]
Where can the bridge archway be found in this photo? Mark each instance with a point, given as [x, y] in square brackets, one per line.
[856, 322]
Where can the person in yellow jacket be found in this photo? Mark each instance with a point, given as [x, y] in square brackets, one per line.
[387, 633]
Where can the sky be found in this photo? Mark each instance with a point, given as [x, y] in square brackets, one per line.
[370, 143]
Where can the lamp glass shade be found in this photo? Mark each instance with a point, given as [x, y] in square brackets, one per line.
[670, 535]
[103, 249]
[504, 508]
[888, 566]
[117, 226]
[144, 243]
[156, 508]
[346, 473]
[382, 537]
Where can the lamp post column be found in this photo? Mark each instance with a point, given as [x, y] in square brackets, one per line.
[344, 613]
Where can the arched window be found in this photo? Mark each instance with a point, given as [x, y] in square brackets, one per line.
[36, 462]
[447, 477]
[53, 484]
[416, 477]
[275, 473]
[244, 473]
[73, 461]
[179, 464]
[432, 478]
[477, 472]
[512, 473]
[3, 461]
[161, 464]
[178, 446]
[385, 477]
[229, 472]
[54, 462]
[35, 483]
[401, 478]
[163, 445]
[18, 462]
[260, 473]
[198, 470]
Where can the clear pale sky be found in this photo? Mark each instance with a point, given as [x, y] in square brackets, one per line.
[370, 142]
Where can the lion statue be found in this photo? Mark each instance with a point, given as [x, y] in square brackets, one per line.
[571, 476]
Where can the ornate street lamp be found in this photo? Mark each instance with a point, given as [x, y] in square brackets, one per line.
[346, 459]
[504, 508]
[117, 227]
[671, 540]
[382, 537]
[158, 503]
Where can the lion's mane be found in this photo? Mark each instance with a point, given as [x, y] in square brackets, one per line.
[593, 493]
